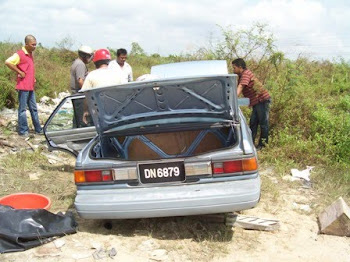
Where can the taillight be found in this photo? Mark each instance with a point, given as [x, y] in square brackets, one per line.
[89, 176]
[236, 166]
[79, 176]
[250, 164]
[218, 168]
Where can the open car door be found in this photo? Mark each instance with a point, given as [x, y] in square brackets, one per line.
[65, 130]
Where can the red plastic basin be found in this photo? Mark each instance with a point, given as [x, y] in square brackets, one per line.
[26, 201]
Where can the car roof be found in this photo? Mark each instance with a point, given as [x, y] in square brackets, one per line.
[190, 68]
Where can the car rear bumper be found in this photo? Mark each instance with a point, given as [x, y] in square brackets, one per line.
[193, 199]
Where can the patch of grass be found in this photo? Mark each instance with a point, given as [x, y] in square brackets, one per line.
[330, 179]
[332, 183]
[56, 183]
[4, 131]
[270, 190]
[23, 162]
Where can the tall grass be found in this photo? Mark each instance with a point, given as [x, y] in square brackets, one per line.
[310, 122]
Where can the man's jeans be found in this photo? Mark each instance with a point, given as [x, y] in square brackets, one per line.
[27, 98]
[260, 116]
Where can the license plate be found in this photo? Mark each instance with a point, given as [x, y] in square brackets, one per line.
[162, 172]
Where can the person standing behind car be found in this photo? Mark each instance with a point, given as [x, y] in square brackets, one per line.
[79, 70]
[78, 73]
[101, 76]
[259, 98]
[121, 67]
[22, 63]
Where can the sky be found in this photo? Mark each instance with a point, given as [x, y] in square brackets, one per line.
[315, 29]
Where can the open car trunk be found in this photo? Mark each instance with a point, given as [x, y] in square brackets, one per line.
[175, 117]
[165, 145]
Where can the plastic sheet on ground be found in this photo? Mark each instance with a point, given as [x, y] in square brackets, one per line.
[21, 229]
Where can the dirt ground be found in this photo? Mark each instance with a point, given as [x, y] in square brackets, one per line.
[185, 238]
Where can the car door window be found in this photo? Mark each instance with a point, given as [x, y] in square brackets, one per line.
[69, 116]
[65, 130]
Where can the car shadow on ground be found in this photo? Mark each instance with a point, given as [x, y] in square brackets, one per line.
[197, 228]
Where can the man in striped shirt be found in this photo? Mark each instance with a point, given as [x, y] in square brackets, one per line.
[259, 98]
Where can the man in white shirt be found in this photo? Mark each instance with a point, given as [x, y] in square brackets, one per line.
[121, 67]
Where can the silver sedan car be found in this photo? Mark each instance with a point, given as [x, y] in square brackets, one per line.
[176, 144]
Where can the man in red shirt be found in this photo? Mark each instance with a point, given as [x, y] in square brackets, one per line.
[23, 64]
[259, 98]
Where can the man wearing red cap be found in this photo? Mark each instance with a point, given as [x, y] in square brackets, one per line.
[102, 76]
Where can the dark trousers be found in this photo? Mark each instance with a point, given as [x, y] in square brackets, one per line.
[78, 105]
[260, 117]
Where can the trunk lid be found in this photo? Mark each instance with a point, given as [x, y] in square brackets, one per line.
[166, 104]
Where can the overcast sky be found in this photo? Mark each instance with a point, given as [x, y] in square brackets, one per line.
[317, 29]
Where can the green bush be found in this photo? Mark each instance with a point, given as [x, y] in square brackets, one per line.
[331, 129]
[8, 93]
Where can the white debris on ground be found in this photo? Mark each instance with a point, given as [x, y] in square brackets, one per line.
[34, 176]
[47, 105]
[159, 255]
[304, 177]
[59, 243]
[304, 174]
[148, 245]
[297, 175]
[303, 207]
